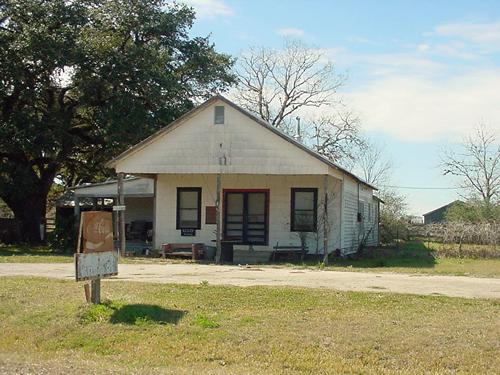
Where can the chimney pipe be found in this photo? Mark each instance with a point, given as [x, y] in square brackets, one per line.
[298, 137]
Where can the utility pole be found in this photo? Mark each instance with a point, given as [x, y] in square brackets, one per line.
[218, 229]
[121, 214]
[326, 228]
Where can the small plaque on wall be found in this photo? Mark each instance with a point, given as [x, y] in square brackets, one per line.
[188, 232]
[210, 214]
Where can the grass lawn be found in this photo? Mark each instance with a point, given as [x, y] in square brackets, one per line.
[44, 254]
[416, 257]
[27, 254]
[411, 257]
[148, 328]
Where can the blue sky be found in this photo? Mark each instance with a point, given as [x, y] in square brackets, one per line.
[421, 74]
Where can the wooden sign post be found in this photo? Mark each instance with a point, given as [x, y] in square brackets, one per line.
[94, 257]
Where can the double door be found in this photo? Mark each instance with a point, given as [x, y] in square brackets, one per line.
[246, 216]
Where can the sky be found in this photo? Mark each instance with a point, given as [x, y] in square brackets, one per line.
[420, 74]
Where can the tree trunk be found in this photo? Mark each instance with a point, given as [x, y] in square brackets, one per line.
[27, 198]
[30, 213]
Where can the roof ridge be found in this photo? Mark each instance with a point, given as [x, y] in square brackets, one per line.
[260, 121]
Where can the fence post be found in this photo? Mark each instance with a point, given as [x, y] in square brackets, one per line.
[397, 237]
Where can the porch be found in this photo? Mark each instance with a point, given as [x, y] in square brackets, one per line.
[138, 194]
[258, 213]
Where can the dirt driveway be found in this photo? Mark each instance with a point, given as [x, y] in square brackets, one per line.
[456, 286]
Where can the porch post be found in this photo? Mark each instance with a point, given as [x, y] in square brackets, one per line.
[76, 213]
[326, 227]
[116, 227]
[218, 220]
[121, 214]
[155, 187]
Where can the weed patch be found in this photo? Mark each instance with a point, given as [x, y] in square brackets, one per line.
[205, 322]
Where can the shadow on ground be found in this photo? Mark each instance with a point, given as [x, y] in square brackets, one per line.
[134, 313]
[117, 312]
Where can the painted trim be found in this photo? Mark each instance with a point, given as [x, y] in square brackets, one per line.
[155, 189]
[341, 213]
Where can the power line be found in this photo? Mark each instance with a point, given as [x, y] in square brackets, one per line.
[421, 187]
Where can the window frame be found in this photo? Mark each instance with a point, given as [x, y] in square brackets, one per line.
[178, 208]
[246, 192]
[315, 209]
[223, 115]
[361, 211]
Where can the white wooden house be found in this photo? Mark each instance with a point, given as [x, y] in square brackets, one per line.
[272, 188]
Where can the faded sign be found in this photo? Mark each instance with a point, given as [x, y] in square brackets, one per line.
[96, 265]
[97, 231]
[94, 256]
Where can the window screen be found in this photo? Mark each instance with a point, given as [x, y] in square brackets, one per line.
[219, 114]
[361, 211]
[188, 208]
[304, 210]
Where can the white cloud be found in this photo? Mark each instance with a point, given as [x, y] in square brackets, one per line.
[423, 47]
[480, 33]
[210, 8]
[455, 49]
[417, 108]
[291, 32]
[392, 63]
[386, 64]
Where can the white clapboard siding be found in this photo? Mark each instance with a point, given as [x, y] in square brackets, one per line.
[197, 144]
[279, 206]
[353, 231]
[249, 155]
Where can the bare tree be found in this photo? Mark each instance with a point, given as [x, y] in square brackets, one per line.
[376, 168]
[337, 137]
[477, 165]
[373, 165]
[275, 84]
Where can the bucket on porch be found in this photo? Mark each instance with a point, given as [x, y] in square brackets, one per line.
[209, 253]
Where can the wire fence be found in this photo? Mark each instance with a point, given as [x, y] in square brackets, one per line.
[450, 239]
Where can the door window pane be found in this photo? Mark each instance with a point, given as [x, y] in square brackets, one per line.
[256, 207]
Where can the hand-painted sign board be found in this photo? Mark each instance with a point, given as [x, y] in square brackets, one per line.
[97, 231]
[95, 258]
[90, 266]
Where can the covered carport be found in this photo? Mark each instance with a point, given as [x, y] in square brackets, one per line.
[138, 193]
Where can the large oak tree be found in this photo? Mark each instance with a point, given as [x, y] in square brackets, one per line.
[81, 81]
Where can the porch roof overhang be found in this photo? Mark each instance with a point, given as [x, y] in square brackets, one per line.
[132, 187]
